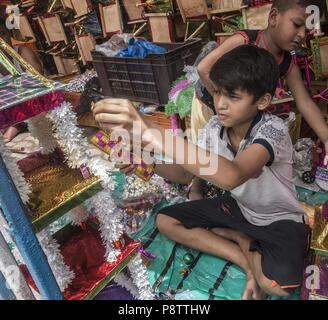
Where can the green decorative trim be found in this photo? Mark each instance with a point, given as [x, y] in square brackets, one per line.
[45, 220]
[315, 47]
[93, 293]
[320, 252]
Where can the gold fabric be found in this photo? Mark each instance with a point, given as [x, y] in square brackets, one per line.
[310, 212]
[54, 185]
[320, 231]
[88, 120]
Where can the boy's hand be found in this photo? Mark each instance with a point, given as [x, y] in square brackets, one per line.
[114, 114]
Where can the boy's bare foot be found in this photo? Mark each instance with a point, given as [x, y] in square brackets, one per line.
[252, 290]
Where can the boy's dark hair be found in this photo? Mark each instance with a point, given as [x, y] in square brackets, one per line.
[249, 68]
[285, 5]
[4, 33]
[3, 27]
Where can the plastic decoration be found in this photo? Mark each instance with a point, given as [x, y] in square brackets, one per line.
[109, 146]
[320, 232]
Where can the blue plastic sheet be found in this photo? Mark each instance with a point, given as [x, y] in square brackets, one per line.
[140, 49]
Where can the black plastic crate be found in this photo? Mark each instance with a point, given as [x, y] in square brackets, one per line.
[145, 80]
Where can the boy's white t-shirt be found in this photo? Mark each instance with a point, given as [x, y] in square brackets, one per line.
[271, 195]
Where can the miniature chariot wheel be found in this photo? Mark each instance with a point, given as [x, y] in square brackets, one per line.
[308, 177]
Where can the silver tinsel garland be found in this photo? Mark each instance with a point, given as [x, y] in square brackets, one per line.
[69, 136]
[78, 215]
[63, 274]
[139, 275]
[76, 148]
[111, 227]
[41, 128]
[78, 84]
[123, 281]
[23, 188]
[50, 247]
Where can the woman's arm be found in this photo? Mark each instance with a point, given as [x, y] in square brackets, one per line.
[306, 105]
[205, 66]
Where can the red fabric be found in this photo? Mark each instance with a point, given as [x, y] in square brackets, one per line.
[32, 162]
[84, 254]
[73, 98]
[259, 3]
[24, 111]
[37, 160]
[280, 93]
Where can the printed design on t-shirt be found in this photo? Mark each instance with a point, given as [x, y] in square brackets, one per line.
[204, 139]
[272, 133]
[208, 133]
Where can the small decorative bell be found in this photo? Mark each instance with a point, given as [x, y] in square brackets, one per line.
[184, 272]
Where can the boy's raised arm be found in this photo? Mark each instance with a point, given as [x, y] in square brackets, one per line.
[171, 172]
[215, 169]
[307, 107]
[226, 174]
[206, 64]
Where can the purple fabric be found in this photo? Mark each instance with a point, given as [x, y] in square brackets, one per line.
[323, 291]
[323, 271]
[114, 292]
[325, 211]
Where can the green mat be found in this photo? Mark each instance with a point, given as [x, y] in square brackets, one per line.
[209, 278]
[311, 197]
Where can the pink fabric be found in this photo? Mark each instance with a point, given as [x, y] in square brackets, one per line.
[14, 115]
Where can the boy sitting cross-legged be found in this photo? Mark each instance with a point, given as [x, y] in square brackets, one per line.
[259, 225]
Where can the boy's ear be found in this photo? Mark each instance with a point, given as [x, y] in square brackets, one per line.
[264, 102]
[273, 17]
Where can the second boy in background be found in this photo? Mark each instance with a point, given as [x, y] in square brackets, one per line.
[286, 31]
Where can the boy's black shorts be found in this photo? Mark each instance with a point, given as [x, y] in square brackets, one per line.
[283, 245]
